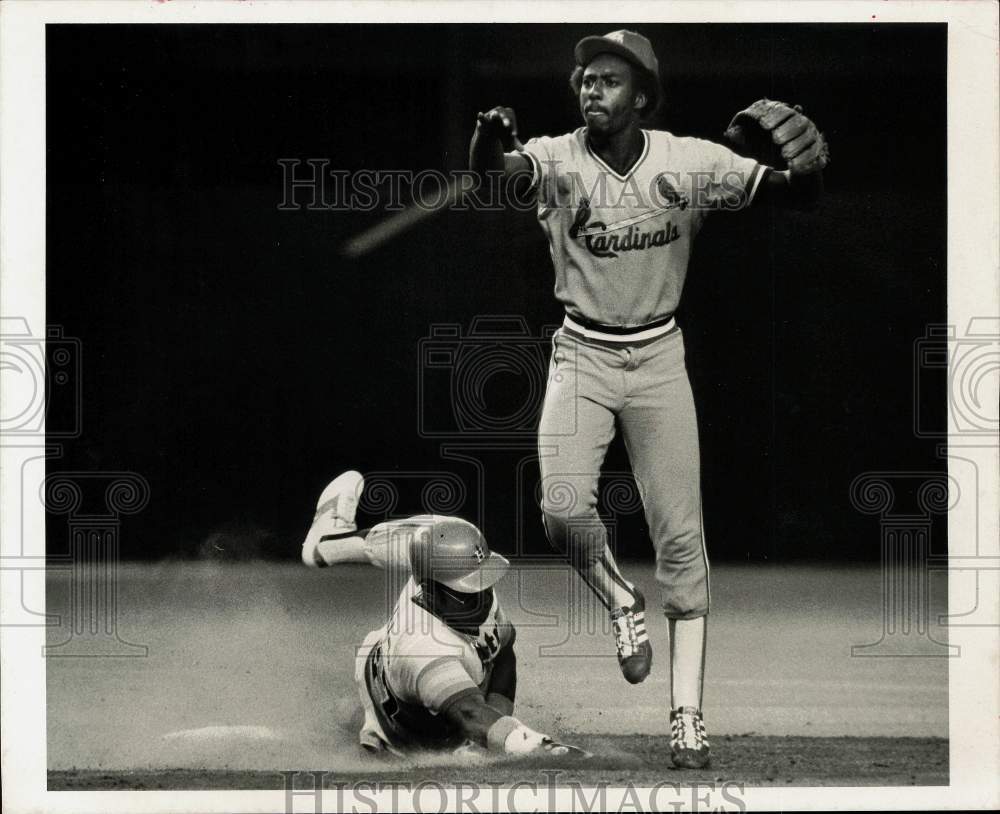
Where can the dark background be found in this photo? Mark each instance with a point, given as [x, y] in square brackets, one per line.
[236, 359]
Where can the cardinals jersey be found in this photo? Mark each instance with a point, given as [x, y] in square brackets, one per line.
[418, 665]
[620, 244]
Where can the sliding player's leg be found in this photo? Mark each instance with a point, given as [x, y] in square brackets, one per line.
[333, 537]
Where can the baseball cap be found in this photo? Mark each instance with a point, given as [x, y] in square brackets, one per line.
[627, 44]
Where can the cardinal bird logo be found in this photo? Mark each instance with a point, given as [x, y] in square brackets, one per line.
[581, 218]
[669, 193]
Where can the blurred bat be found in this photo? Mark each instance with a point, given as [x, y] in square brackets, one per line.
[392, 227]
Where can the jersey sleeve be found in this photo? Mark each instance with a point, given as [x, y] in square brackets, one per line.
[539, 151]
[503, 668]
[442, 682]
[724, 181]
[424, 664]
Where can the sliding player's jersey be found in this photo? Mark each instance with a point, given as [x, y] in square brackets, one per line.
[416, 666]
[621, 243]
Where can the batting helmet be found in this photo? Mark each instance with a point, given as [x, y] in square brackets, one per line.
[453, 552]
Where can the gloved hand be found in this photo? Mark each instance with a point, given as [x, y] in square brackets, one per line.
[773, 132]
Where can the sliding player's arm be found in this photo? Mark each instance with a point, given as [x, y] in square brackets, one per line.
[488, 726]
[503, 680]
[445, 688]
[502, 684]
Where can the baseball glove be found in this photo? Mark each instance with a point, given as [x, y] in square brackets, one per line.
[776, 133]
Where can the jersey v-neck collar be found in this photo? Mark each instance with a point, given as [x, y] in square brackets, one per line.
[630, 170]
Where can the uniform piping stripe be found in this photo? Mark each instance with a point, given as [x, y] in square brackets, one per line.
[536, 168]
[704, 624]
[704, 556]
[593, 588]
[755, 178]
[614, 573]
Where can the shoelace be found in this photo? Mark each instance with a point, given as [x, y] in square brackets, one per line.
[688, 726]
[630, 632]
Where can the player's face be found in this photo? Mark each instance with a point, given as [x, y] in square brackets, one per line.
[607, 95]
[460, 610]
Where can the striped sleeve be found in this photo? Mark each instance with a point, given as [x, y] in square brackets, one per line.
[441, 682]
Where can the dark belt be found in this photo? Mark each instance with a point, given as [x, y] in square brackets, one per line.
[619, 330]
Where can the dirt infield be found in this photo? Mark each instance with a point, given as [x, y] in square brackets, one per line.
[248, 671]
[642, 761]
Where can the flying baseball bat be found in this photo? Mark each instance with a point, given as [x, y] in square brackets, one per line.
[392, 227]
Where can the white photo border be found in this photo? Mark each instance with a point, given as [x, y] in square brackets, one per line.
[973, 291]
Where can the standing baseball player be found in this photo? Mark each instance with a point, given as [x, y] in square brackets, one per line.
[620, 206]
[441, 673]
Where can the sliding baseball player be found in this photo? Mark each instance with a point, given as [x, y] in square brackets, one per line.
[441, 673]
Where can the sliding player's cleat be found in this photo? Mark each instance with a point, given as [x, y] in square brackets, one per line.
[635, 653]
[689, 747]
[334, 517]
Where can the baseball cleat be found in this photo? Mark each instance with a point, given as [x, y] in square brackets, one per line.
[635, 653]
[338, 504]
[689, 746]
[335, 512]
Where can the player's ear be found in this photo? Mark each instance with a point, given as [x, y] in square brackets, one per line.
[640, 100]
